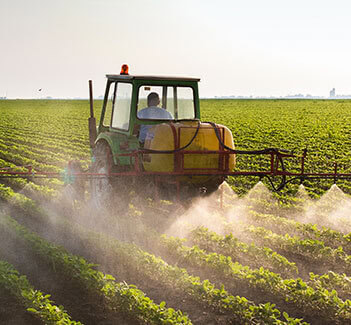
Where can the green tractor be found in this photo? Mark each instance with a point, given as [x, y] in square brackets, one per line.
[150, 139]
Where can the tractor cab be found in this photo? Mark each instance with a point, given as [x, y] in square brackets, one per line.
[125, 108]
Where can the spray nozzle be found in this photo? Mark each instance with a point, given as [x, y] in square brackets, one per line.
[202, 190]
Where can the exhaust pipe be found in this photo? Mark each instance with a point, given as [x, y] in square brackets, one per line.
[92, 121]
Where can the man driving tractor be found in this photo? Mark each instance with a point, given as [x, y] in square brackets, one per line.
[152, 112]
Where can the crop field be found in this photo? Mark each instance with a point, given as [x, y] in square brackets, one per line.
[260, 257]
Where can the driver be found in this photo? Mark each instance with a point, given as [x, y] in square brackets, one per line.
[152, 112]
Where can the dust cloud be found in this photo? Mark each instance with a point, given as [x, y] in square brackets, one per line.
[215, 212]
[221, 208]
[223, 212]
[332, 210]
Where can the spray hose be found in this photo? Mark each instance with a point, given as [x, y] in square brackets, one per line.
[178, 149]
[256, 152]
[248, 152]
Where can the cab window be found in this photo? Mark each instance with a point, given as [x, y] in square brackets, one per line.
[121, 105]
[177, 101]
[108, 109]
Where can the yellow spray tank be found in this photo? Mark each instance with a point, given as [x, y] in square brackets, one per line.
[172, 136]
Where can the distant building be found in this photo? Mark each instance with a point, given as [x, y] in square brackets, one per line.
[332, 93]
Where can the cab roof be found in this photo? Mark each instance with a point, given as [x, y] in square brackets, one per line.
[120, 77]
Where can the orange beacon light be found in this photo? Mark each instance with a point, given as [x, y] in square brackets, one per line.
[124, 69]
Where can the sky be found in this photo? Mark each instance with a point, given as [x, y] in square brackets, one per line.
[237, 48]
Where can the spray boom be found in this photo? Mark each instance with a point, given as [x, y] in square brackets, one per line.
[276, 170]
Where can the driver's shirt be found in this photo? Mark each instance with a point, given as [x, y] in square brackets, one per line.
[151, 113]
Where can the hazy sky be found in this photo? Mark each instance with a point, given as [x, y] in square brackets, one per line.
[251, 47]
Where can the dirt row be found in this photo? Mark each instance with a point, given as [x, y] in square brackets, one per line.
[12, 312]
[49, 279]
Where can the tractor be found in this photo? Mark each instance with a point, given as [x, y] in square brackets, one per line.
[180, 155]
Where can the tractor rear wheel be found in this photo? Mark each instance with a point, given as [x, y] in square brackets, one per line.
[108, 194]
[101, 186]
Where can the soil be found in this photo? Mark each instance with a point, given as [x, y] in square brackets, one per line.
[14, 313]
[64, 290]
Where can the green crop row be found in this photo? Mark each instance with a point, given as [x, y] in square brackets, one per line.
[282, 226]
[19, 160]
[231, 246]
[41, 191]
[297, 293]
[329, 236]
[247, 254]
[17, 200]
[119, 297]
[57, 120]
[332, 281]
[56, 157]
[309, 249]
[26, 154]
[33, 300]
[66, 146]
